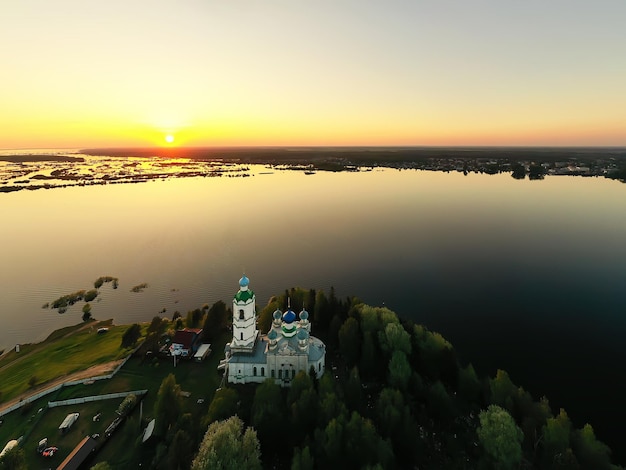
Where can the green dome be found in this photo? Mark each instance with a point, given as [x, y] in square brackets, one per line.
[244, 296]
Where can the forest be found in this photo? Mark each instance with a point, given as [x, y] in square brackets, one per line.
[394, 395]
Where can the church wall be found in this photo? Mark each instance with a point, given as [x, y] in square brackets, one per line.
[245, 373]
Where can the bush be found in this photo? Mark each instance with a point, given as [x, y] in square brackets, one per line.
[131, 335]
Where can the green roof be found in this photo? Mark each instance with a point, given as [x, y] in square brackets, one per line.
[244, 296]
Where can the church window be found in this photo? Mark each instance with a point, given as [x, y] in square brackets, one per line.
[273, 373]
[280, 373]
[254, 371]
[293, 373]
[241, 336]
[241, 314]
[262, 371]
[319, 366]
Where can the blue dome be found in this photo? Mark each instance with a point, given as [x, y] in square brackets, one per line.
[278, 314]
[303, 334]
[289, 316]
[304, 315]
[244, 281]
[272, 334]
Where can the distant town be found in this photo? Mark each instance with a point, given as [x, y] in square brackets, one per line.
[114, 166]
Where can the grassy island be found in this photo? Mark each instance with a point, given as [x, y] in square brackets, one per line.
[139, 287]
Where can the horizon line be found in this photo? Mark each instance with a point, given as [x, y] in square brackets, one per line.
[305, 147]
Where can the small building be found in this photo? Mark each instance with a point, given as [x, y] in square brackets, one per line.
[187, 341]
[203, 351]
[80, 453]
[67, 423]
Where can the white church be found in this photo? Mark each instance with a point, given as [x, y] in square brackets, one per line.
[285, 350]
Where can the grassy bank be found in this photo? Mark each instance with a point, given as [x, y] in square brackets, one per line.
[35, 421]
[65, 351]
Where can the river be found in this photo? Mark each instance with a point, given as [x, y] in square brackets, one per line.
[524, 275]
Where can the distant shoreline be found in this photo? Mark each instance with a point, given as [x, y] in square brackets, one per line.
[51, 170]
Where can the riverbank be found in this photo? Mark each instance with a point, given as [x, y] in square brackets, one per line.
[71, 353]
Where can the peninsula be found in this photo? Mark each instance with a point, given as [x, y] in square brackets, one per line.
[391, 393]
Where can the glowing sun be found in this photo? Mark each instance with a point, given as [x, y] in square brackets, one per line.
[169, 138]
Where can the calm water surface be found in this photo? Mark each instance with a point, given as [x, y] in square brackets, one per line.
[520, 275]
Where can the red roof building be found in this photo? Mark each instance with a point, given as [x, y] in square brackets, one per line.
[186, 341]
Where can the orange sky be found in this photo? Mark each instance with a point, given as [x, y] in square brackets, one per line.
[117, 73]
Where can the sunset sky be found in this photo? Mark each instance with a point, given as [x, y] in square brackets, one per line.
[82, 73]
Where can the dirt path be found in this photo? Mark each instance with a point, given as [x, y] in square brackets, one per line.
[93, 371]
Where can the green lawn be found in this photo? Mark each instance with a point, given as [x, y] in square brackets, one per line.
[199, 379]
[65, 351]
[123, 449]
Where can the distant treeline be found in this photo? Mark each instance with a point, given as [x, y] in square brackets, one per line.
[365, 154]
[40, 158]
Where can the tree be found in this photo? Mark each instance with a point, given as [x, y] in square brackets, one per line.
[87, 312]
[153, 334]
[500, 437]
[469, 385]
[157, 325]
[395, 338]
[304, 405]
[127, 404]
[322, 312]
[350, 341]
[299, 384]
[519, 171]
[353, 391]
[502, 390]
[591, 452]
[369, 364]
[368, 318]
[399, 370]
[33, 381]
[268, 415]
[536, 171]
[101, 466]
[131, 335]
[13, 460]
[168, 405]
[363, 444]
[227, 446]
[394, 421]
[329, 444]
[556, 436]
[215, 320]
[223, 405]
[440, 405]
[434, 355]
[302, 459]
[180, 451]
[193, 318]
[90, 295]
[331, 407]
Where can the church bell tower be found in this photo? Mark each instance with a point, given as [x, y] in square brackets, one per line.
[245, 332]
